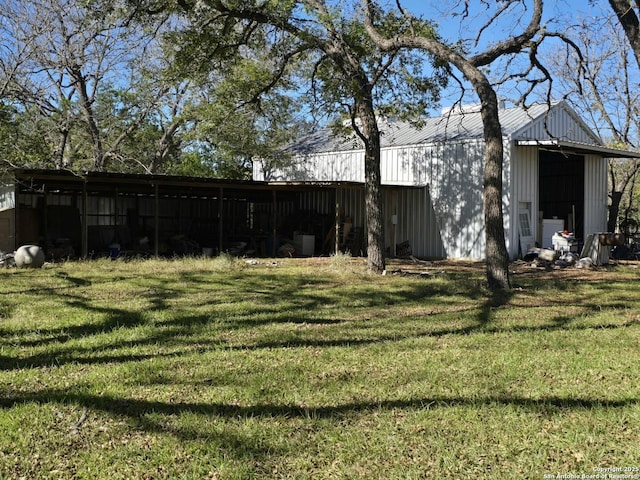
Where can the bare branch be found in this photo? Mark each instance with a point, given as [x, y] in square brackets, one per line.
[513, 44]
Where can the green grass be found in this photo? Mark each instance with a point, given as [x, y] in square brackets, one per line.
[216, 368]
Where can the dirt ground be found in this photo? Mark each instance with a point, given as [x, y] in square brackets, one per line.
[517, 269]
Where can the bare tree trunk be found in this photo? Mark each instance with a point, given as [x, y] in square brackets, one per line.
[630, 23]
[497, 257]
[621, 180]
[614, 210]
[496, 251]
[629, 209]
[164, 146]
[373, 196]
[90, 119]
[58, 153]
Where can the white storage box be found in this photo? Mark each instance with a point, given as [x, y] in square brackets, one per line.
[564, 242]
[549, 228]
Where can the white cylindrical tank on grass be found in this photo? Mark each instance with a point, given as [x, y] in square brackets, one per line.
[29, 256]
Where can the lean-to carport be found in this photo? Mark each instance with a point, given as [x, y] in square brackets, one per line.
[81, 215]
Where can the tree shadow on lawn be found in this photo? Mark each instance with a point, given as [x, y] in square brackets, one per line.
[183, 333]
[114, 318]
[178, 342]
[298, 298]
[141, 411]
[238, 442]
[143, 414]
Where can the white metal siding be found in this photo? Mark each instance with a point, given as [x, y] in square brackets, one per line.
[508, 200]
[320, 167]
[453, 169]
[453, 210]
[455, 175]
[526, 184]
[417, 223]
[400, 166]
[258, 174]
[524, 188]
[595, 195]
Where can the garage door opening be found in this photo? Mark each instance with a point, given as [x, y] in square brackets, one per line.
[561, 194]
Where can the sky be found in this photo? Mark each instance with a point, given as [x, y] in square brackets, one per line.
[454, 27]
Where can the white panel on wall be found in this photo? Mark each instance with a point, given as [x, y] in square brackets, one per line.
[321, 167]
[455, 180]
[417, 223]
[596, 195]
[7, 197]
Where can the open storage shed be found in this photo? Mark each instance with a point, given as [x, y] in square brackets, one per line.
[72, 215]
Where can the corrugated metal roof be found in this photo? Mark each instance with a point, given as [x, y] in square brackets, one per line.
[448, 127]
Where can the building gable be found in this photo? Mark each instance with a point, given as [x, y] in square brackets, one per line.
[558, 122]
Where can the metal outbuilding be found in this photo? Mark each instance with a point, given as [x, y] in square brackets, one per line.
[555, 177]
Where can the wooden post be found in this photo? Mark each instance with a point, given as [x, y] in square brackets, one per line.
[220, 219]
[274, 218]
[85, 220]
[115, 208]
[16, 213]
[393, 219]
[337, 229]
[157, 222]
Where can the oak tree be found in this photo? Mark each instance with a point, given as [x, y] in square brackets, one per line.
[329, 40]
[471, 65]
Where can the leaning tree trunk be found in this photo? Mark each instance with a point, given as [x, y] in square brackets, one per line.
[90, 119]
[58, 156]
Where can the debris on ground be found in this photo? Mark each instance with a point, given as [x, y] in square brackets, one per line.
[6, 260]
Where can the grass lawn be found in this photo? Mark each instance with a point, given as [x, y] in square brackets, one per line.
[221, 369]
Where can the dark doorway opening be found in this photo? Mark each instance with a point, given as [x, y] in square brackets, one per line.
[562, 189]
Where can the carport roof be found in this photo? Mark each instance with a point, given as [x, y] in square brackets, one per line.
[168, 185]
[579, 148]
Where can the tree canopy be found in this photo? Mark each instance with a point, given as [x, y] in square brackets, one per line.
[320, 52]
[203, 87]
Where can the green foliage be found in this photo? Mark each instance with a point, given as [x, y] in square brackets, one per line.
[22, 138]
[269, 63]
[191, 165]
[250, 85]
[403, 84]
[242, 116]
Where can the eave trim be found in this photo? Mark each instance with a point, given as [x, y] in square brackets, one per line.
[580, 148]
